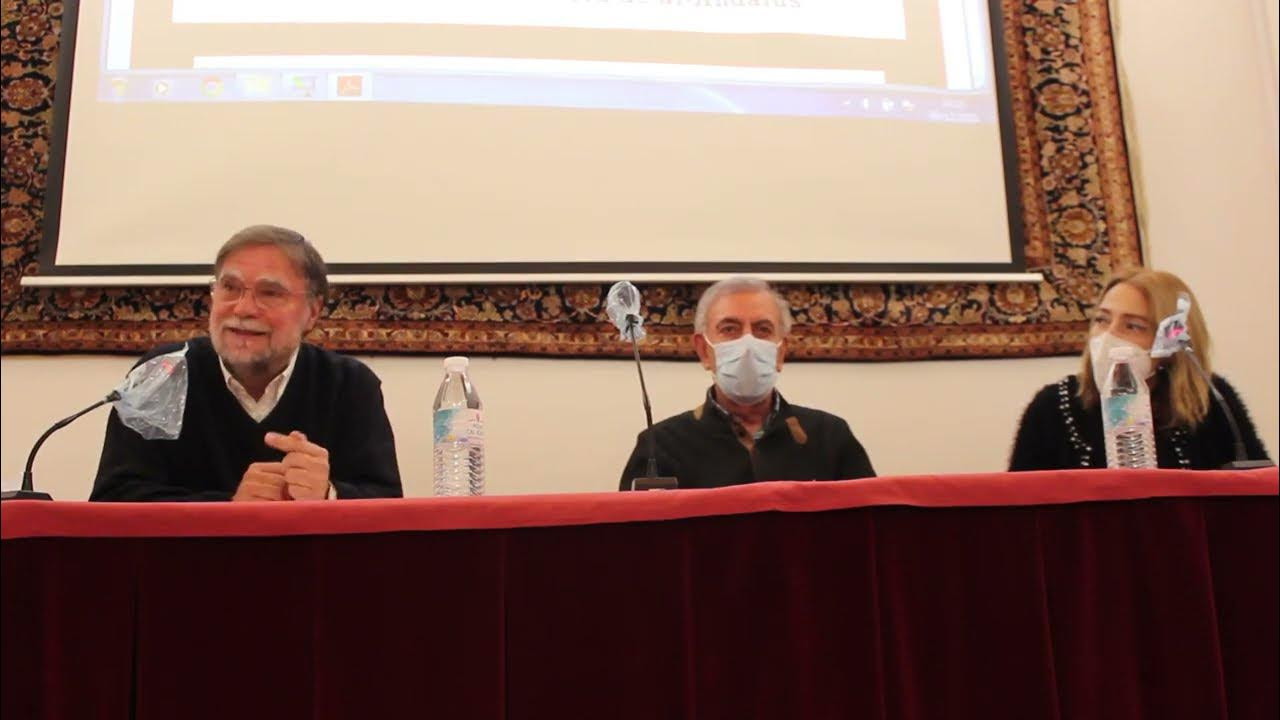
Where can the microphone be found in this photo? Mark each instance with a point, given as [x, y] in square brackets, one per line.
[1174, 336]
[28, 491]
[150, 401]
[623, 308]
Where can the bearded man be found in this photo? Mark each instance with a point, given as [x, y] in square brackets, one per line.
[268, 417]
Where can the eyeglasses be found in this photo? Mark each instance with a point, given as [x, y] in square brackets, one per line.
[268, 295]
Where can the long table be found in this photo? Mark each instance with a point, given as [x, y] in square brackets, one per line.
[1076, 594]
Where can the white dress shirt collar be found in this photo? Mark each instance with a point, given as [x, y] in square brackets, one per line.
[262, 407]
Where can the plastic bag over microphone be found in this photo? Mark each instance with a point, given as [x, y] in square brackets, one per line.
[153, 396]
[1172, 334]
[623, 308]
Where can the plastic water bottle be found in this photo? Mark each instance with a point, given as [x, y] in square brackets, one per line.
[458, 433]
[1126, 415]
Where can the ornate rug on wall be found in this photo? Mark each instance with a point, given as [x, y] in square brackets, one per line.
[1078, 213]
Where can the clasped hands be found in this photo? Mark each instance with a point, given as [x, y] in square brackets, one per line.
[303, 474]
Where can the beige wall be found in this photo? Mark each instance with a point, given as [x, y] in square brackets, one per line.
[1200, 130]
[1271, 10]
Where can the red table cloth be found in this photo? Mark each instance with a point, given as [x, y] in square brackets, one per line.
[1037, 595]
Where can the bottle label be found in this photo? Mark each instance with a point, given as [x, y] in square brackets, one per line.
[1119, 413]
[455, 425]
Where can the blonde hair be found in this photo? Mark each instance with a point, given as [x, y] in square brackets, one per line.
[1188, 393]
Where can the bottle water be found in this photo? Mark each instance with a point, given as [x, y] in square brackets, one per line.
[458, 433]
[1126, 415]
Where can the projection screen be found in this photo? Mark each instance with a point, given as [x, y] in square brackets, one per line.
[520, 139]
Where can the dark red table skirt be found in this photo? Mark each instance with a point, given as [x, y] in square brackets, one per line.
[1082, 594]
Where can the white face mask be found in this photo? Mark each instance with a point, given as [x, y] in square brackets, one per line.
[746, 368]
[1100, 347]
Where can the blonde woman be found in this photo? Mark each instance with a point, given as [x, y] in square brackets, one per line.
[1062, 427]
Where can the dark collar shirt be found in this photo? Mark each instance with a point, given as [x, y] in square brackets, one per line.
[334, 399]
[705, 447]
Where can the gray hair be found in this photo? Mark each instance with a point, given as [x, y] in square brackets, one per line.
[302, 253]
[739, 284]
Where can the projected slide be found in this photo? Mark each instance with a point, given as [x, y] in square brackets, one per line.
[552, 137]
[512, 64]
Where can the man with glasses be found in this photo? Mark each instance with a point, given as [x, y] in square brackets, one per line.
[268, 417]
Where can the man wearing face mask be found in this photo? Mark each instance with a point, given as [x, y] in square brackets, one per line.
[744, 431]
[1062, 427]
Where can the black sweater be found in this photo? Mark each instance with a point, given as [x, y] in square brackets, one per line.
[701, 450]
[1057, 432]
[335, 400]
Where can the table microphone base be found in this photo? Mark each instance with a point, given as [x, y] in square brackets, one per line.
[24, 495]
[1248, 464]
[655, 483]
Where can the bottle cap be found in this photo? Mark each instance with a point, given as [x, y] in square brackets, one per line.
[1115, 353]
[455, 363]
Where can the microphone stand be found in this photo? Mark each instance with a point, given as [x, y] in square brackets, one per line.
[1242, 461]
[28, 492]
[650, 481]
